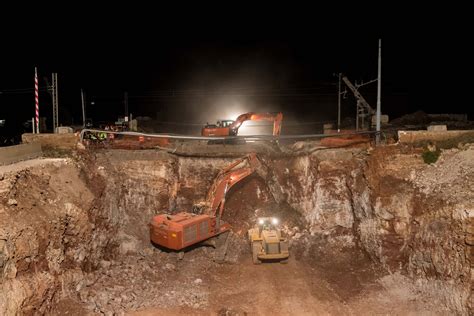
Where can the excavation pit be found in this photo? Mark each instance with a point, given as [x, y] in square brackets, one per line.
[371, 232]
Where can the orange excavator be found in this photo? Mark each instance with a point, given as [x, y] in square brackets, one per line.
[230, 128]
[181, 230]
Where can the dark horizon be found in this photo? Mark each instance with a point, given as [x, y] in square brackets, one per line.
[199, 81]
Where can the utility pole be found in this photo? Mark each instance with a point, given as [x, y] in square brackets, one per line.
[125, 102]
[339, 105]
[379, 91]
[37, 102]
[54, 96]
[83, 110]
[53, 92]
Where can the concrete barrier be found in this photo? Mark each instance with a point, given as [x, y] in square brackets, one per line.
[64, 130]
[328, 128]
[48, 141]
[419, 136]
[21, 152]
[383, 119]
[437, 128]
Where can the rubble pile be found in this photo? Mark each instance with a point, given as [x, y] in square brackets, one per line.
[138, 282]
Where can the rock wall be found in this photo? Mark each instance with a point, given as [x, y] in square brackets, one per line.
[136, 186]
[61, 221]
[407, 215]
[47, 237]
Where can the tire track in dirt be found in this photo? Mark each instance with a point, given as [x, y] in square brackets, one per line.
[273, 289]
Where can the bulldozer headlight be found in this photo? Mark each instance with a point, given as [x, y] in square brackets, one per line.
[261, 221]
[275, 221]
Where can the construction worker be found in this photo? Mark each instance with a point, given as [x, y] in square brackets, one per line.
[102, 136]
[92, 136]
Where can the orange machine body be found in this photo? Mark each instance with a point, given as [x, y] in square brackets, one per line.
[214, 130]
[183, 229]
[346, 138]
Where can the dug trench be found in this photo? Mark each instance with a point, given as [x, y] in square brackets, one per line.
[370, 231]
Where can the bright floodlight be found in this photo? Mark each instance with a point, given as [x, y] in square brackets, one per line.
[261, 221]
[275, 221]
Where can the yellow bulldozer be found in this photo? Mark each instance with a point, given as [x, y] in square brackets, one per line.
[267, 242]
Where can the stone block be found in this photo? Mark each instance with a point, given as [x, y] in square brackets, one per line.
[437, 128]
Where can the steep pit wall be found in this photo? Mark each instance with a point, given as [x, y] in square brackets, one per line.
[48, 235]
[421, 218]
[408, 216]
[140, 184]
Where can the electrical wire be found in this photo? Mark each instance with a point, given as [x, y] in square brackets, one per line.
[22, 90]
[288, 123]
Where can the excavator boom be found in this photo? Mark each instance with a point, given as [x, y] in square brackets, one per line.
[226, 179]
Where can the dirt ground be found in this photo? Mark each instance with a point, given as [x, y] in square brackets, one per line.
[28, 164]
[159, 283]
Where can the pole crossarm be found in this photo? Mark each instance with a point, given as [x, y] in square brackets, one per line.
[358, 96]
[365, 83]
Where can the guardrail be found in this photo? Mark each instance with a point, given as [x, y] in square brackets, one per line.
[246, 137]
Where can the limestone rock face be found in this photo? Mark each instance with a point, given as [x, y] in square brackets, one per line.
[63, 221]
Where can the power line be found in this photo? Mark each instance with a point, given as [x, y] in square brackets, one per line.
[153, 97]
[234, 95]
[228, 90]
[285, 123]
[231, 91]
[22, 92]
[20, 89]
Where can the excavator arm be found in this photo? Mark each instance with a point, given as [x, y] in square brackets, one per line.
[225, 180]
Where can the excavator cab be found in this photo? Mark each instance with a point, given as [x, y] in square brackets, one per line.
[224, 123]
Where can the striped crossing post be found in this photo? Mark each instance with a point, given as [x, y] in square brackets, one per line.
[36, 101]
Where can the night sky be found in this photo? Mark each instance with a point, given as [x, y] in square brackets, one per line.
[181, 69]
